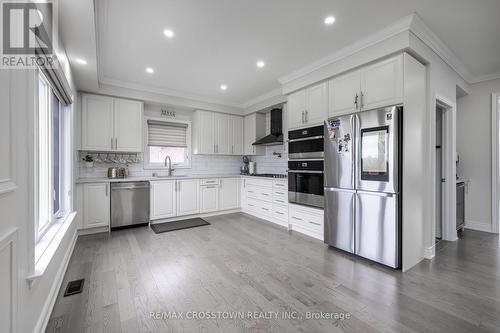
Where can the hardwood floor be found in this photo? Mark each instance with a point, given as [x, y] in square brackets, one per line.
[240, 263]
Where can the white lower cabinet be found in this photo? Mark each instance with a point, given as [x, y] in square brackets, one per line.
[229, 193]
[209, 198]
[188, 197]
[96, 204]
[163, 199]
[307, 220]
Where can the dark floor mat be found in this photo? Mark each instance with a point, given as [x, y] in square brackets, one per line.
[178, 225]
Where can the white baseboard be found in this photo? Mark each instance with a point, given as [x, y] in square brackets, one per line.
[43, 320]
[91, 231]
[430, 252]
[479, 226]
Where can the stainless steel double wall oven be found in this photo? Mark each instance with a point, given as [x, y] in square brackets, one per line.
[306, 166]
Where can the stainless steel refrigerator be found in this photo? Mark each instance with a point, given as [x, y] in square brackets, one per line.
[363, 184]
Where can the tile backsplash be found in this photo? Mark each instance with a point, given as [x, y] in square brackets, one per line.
[200, 165]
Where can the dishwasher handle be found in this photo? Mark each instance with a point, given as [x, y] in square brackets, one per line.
[129, 188]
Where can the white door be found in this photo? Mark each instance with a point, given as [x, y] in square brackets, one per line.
[209, 198]
[229, 193]
[382, 83]
[163, 199]
[97, 122]
[187, 197]
[96, 205]
[128, 125]
[237, 135]
[205, 132]
[344, 93]
[317, 104]
[222, 133]
[296, 109]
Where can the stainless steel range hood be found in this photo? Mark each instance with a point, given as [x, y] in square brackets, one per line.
[276, 135]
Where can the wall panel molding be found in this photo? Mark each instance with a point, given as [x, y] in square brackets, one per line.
[9, 281]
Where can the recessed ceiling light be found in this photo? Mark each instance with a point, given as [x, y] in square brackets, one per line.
[81, 61]
[329, 20]
[260, 64]
[168, 33]
[150, 70]
[223, 87]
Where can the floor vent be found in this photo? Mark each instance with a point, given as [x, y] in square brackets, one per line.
[74, 287]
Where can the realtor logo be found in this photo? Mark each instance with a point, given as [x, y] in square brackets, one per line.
[27, 34]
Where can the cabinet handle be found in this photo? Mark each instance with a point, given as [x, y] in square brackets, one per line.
[296, 218]
[211, 187]
[265, 208]
[111, 143]
[279, 201]
[106, 189]
[279, 213]
[314, 223]
[361, 100]
[251, 205]
[302, 117]
[356, 101]
[265, 194]
[281, 193]
[116, 143]
[250, 191]
[306, 115]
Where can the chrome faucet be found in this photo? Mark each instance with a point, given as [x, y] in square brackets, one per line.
[168, 165]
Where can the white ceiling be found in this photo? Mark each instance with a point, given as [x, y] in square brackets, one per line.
[219, 41]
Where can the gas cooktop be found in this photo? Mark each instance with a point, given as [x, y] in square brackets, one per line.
[269, 175]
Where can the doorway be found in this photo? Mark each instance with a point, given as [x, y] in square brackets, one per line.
[445, 170]
[439, 173]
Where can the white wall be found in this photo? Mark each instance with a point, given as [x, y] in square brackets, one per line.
[30, 306]
[474, 148]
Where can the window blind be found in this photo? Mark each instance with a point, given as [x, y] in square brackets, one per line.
[166, 134]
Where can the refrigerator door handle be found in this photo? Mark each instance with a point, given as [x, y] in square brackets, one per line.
[354, 158]
[334, 189]
[377, 194]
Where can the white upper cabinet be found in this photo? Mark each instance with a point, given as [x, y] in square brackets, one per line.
[296, 106]
[237, 135]
[382, 83]
[97, 122]
[254, 129]
[373, 86]
[96, 205]
[162, 199]
[217, 133]
[223, 134]
[128, 125]
[316, 104]
[344, 93]
[229, 193]
[187, 197]
[203, 133]
[111, 124]
[308, 106]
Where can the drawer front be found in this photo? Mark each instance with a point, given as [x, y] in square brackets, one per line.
[311, 222]
[210, 181]
[280, 185]
[258, 182]
[260, 193]
[280, 213]
[260, 207]
[278, 192]
[280, 200]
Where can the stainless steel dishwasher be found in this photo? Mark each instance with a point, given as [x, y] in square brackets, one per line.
[129, 204]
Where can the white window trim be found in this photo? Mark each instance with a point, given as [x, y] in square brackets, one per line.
[48, 239]
[146, 164]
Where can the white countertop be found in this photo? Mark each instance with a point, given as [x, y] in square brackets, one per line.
[151, 178]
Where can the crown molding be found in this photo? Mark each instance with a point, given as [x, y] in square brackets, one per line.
[428, 37]
[387, 32]
[262, 98]
[484, 78]
[166, 92]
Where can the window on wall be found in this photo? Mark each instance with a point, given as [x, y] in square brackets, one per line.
[167, 138]
[50, 153]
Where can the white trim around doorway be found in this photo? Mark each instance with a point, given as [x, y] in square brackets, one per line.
[449, 145]
[495, 186]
